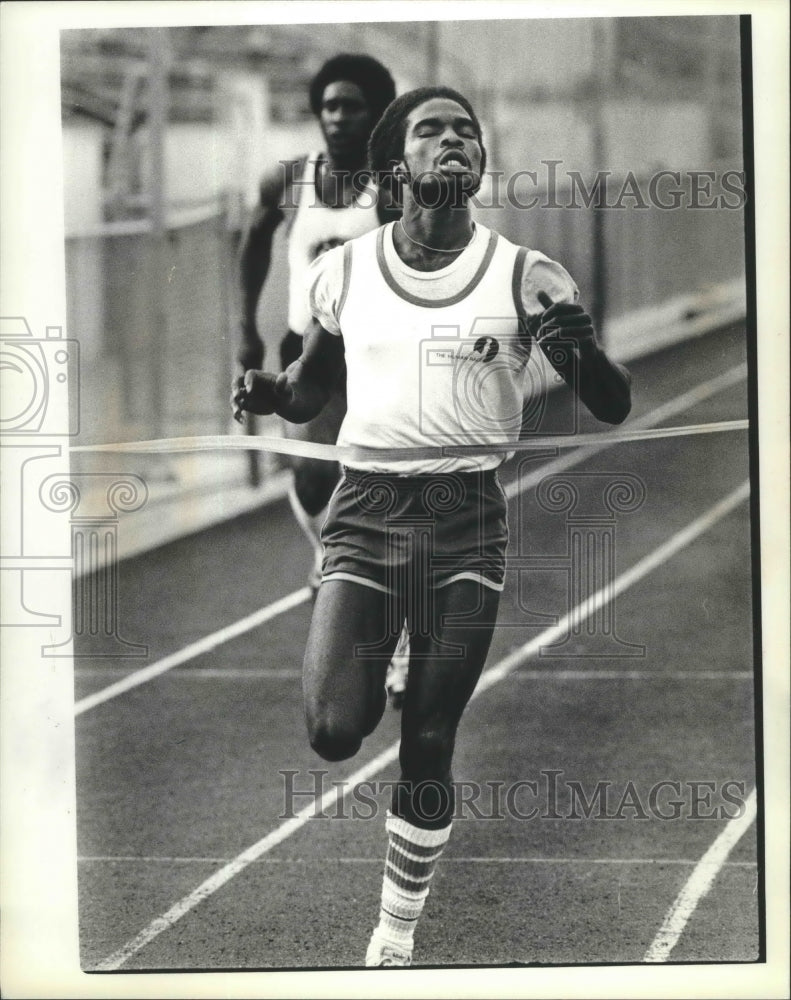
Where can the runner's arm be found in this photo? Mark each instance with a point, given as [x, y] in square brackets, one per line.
[568, 340]
[255, 261]
[300, 392]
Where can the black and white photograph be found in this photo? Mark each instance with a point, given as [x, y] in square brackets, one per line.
[394, 451]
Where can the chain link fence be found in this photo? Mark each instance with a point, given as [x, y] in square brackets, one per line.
[145, 375]
[156, 349]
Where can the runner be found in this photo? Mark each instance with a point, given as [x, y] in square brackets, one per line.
[422, 538]
[325, 198]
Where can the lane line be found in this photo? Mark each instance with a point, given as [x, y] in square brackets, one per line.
[229, 871]
[204, 673]
[125, 859]
[699, 883]
[252, 673]
[204, 645]
[667, 410]
[489, 678]
[672, 408]
[609, 592]
[634, 675]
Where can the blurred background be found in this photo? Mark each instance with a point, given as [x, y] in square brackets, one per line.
[167, 132]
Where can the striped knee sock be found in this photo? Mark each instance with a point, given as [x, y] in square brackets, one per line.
[412, 855]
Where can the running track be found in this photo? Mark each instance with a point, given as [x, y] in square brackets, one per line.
[190, 857]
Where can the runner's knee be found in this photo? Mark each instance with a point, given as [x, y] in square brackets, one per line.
[333, 739]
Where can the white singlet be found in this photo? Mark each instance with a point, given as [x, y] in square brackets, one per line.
[437, 357]
[316, 228]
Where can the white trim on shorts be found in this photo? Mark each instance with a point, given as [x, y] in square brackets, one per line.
[471, 575]
[366, 582]
[339, 574]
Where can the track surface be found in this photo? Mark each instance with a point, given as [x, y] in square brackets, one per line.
[179, 775]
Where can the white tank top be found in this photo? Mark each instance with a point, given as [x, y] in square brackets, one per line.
[316, 228]
[427, 372]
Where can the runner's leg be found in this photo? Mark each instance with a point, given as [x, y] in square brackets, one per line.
[441, 681]
[343, 681]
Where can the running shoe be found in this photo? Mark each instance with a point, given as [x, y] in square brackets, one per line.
[385, 954]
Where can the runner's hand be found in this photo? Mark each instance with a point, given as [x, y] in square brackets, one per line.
[565, 321]
[259, 392]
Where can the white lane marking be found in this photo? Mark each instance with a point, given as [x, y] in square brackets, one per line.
[490, 677]
[674, 406]
[699, 883]
[225, 874]
[252, 673]
[324, 860]
[634, 675]
[205, 673]
[671, 408]
[609, 592]
[204, 645]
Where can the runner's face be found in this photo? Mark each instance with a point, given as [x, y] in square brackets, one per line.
[441, 139]
[345, 119]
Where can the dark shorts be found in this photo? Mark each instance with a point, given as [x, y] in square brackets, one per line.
[291, 349]
[394, 532]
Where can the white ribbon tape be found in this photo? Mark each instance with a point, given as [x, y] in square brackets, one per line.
[346, 453]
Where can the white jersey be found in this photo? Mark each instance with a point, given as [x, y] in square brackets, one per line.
[434, 358]
[316, 228]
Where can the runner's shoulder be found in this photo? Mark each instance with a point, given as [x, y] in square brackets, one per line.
[276, 188]
[541, 273]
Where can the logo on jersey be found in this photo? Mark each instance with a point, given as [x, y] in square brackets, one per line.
[486, 348]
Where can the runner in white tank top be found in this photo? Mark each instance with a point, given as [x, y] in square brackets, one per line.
[316, 227]
[461, 329]
[324, 199]
[437, 319]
